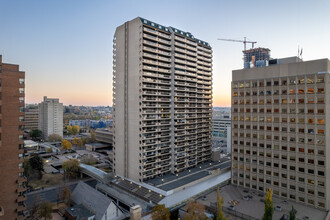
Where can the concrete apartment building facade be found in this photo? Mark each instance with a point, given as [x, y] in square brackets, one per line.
[51, 117]
[280, 130]
[12, 181]
[31, 119]
[162, 95]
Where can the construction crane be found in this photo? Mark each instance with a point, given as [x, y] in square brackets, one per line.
[243, 41]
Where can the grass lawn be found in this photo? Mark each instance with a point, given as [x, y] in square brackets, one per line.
[47, 180]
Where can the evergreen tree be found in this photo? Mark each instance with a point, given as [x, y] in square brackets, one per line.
[269, 206]
[292, 214]
[219, 213]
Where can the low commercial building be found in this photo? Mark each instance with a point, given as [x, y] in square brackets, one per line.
[104, 136]
[98, 203]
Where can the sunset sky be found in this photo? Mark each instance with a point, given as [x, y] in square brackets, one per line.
[65, 46]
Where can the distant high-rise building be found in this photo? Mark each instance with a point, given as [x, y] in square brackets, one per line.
[281, 130]
[51, 117]
[162, 95]
[12, 180]
[31, 119]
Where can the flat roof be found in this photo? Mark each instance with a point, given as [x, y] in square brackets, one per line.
[254, 207]
[171, 181]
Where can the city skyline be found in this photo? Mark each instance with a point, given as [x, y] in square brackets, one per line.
[65, 48]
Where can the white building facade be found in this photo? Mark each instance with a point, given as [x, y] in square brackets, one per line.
[51, 117]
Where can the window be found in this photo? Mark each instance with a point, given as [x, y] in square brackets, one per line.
[21, 99]
[320, 80]
[310, 91]
[21, 81]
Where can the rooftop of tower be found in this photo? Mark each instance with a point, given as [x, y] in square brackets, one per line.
[164, 28]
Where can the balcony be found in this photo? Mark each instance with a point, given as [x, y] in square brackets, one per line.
[21, 198]
[21, 179]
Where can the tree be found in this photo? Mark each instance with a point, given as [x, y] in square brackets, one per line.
[36, 163]
[71, 167]
[219, 212]
[80, 142]
[93, 136]
[75, 129]
[27, 167]
[75, 141]
[35, 133]
[66, 145]
[269, 206]
[195, 211]
[69, 129]
[293, 214]
[45, 210]
[54, 138]
[89, 160]
[65, 195]
[159, 212]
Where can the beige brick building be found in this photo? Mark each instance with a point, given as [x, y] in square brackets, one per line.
[280, 130]
[162, 98]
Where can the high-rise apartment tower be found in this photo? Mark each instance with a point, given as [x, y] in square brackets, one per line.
[12, 180]
[281, 130]
[162, 98]
[51, 117]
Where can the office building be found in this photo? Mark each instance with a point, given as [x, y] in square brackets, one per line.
[31, 119]
[51, 117]
[12, 181]
[280, 130]
[162, 99]
[220, 124]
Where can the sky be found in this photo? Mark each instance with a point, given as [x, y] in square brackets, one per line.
[65, 46]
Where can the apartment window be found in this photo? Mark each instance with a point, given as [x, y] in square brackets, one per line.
[310, 111]
[301, 179]
[320, 90]
[310, 80]
[320, 152]
[21, 118]
[310, 90]
[320, 183]
[320, 80]
[320, 100]
[21, 80]
[21, 99]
